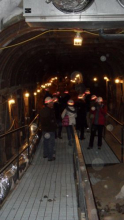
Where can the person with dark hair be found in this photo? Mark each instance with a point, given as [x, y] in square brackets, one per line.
[71, 113]
[48, 127]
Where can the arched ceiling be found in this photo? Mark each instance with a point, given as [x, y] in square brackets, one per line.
[53, 54]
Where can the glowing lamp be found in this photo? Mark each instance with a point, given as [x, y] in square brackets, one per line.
[95, 79]
[78, 39]
[11, 101]
[38, 90]
[117, 80]
[26, 94]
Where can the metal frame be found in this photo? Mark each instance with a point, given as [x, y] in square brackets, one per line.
[122, 136]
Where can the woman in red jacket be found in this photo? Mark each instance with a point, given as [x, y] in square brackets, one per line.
[98, 113]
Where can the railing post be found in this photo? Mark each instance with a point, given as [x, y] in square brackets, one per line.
[18, 145]
[28, 143]
[122, 145]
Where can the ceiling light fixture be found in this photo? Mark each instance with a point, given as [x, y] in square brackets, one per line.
[78, 39]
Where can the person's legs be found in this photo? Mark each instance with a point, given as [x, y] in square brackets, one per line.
[56, 134]
[92, 135]
[82, 132]
[60, 130]
[72, 132]
[68, 129]
[100, 130]
[45, 145]
[68, 132]
[51, 146]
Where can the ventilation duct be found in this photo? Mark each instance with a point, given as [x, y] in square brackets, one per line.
[86, 14]
[68, 6]
[121, 2]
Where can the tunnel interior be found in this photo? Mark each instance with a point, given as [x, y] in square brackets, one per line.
[31, 56]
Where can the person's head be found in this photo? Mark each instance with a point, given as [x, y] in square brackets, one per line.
[66, 92]
[49, 102]
[81, 97]
[55, 99]
[57, 93]
[47, 89]
[99, 100]
[87, 92]
[93, 98]
[70, 102]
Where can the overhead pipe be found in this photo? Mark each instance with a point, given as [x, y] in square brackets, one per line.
[111, 36]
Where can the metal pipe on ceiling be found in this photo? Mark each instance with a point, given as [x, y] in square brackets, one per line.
[111, 36]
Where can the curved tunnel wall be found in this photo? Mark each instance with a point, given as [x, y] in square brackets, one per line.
[54, 54]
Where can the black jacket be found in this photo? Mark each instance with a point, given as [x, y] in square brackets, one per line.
[81, 113]
[47, 120]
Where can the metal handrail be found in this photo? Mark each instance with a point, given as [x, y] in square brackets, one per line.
[90, 210]
[19, 152]
[122, 124]
[122, 135]
[13, 131]
[33, 120]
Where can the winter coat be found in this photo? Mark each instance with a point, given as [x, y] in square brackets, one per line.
[81, 113]
[99, 114]
[70, 111]
[48, 120]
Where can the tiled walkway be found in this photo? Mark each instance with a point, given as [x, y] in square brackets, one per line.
[47, 189]
[94, 156]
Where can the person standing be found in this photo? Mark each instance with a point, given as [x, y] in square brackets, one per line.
[98, 121]
[48, 127]
[87, 101]
[81, 116]
[58, 111]
[71, 112]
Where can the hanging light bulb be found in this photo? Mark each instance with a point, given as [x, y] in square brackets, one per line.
[78, 39]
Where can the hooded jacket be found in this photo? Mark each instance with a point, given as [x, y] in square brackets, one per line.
[70, 111]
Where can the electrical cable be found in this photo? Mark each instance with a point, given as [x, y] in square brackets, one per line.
[45, 32]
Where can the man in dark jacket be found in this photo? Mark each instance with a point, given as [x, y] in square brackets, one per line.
[58, 112]
[81, 116]
[48, 127]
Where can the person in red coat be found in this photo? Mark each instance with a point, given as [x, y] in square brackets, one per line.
[98, 113]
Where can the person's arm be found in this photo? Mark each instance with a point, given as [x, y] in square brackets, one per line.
[63, 113]
[103, 109]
